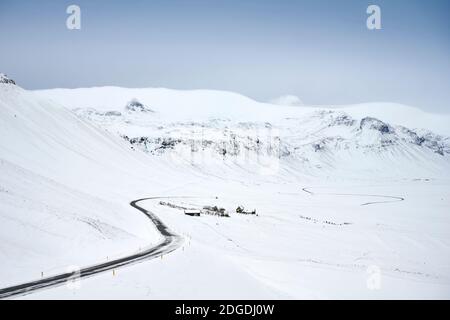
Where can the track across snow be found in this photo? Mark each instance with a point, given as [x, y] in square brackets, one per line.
[171, 241]
[393, 198]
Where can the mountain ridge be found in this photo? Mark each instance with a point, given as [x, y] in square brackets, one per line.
[204, 104]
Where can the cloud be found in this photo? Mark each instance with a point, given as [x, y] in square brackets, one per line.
[287, 100]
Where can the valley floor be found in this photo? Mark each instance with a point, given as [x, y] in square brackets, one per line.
[321, 239]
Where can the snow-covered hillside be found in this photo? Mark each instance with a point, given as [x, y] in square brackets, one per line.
[350, 202]
[64, 189]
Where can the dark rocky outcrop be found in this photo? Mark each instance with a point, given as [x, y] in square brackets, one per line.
[5, 79]
[136, 106]
[375, 124]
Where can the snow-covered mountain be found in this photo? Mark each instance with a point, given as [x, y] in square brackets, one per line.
[207, 104]
[226, 127]
[339, 193]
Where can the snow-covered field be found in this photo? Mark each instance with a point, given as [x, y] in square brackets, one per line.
[351, 202]
[290, 250]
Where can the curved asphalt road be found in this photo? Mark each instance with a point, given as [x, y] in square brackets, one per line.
[171, 241]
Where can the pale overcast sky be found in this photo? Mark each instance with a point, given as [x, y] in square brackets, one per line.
[319, 50]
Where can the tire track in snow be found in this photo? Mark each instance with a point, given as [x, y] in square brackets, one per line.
[171, 241]
[394, 198]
